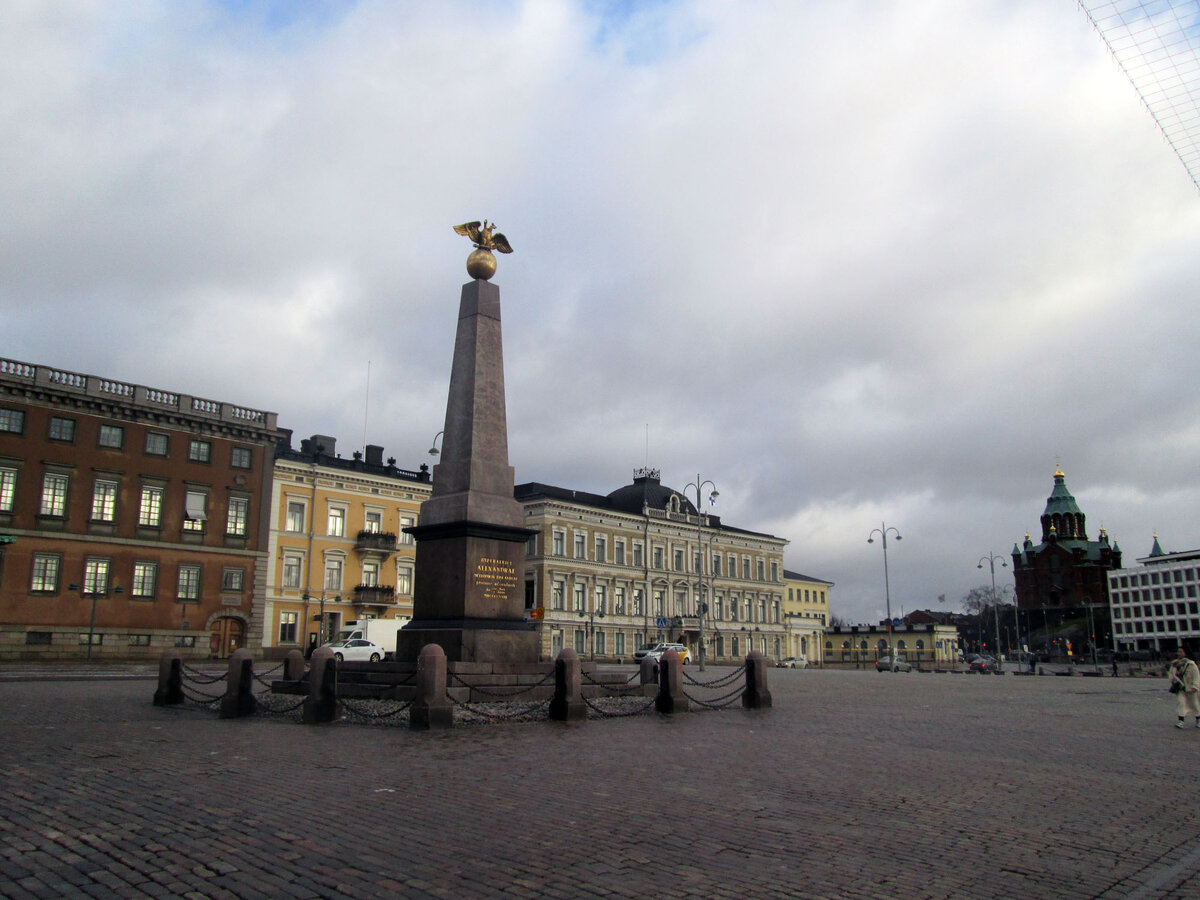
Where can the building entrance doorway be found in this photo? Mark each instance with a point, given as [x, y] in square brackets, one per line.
[228, 634]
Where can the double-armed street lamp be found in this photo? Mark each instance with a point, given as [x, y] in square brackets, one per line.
[882, 531]
[592, 616]
[700, 604]
[990, 559]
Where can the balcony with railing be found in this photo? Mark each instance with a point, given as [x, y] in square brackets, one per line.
[375, 595]
[377, 542]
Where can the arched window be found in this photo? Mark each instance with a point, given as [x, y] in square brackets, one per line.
[900, 645]
[863, 645]
[845, 645]
[920, 644]
[829, 645]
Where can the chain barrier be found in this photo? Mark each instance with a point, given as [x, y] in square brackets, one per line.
[204, 677]
[525, 711]
[268, 706]
[362, 711]
[719, 702]
[200, 697]
[716, 682]
[617, 690]
[506, 692]
[610, 714]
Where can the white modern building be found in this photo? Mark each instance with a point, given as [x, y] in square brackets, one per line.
[1154, 604]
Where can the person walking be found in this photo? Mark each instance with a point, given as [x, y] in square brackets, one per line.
[1187, 698]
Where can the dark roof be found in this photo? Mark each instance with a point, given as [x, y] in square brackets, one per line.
[796, 576]
[647, 490]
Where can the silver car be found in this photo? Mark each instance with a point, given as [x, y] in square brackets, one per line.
[886, 664]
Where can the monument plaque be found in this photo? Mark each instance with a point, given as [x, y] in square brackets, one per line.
[468, 596]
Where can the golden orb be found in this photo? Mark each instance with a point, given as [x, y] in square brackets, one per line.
[481, 264]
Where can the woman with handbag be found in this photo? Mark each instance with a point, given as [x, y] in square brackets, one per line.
[1185, 685]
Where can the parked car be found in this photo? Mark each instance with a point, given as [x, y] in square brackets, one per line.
[985, 664]
[655, 652]
[885, 664]
[356, 650]
[793, 662]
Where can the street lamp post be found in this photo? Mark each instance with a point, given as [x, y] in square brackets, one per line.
[882, 531]
[591, 626]
[433, 449]
[94, 595]
[712, 498]
[990, 559]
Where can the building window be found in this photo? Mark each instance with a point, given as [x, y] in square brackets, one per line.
[288, 624]
[762, 572]
[373, 522]
[580, 648]
[199, 451]
[195, 514]
[189, 583]
[619, 601]
[333, 574]
[580, 546]
[658, 557]
[337, 522]
[156, 443]
[8, 489]
[716, 564]
[293, 563]
[150, 509]
[62, 429]
[139, 640]
[38, 638]
[639, 605]
[95, 640]
[104, 501]
[659, 603]
[404, 580]
[619, 552]
[185, 640]
[95, 575]
[774, 570]
[295, 516]
[145, 580]
[406, 522]
[601, 549]
[112, 437]
[370, 574]
[678, 560]
[638, 554]
[54, 495]
[598, 642]
[579, 597]
[12, 420]
[558, 592]
[45, 572]
[233, 579]
[241, 458]
[559, 542]
[601, 599]
[746, 568]
[239, 512]
[619, 643]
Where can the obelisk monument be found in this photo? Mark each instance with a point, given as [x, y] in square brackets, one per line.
[469, 593]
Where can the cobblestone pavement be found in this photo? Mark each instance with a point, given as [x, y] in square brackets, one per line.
[855, 785]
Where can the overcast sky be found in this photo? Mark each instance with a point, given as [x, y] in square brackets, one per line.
[856, 263]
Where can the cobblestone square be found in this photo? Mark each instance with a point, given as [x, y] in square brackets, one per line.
[855, 785]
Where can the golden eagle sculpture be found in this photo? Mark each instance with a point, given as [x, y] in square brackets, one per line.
[482, 262]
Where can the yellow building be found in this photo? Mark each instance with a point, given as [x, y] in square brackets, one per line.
[337, 549]
[805, 614]
[609, 573]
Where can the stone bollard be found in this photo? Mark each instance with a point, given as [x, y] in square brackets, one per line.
[756, 695]
[170, 679]
[239, 687]
[431, 707]
[567, 704]
[649, 672]
[293, 666]
[321, 705]
[670, 697]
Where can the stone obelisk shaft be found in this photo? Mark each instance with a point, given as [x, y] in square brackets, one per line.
[469, 595]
